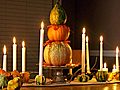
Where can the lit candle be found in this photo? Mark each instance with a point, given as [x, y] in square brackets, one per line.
[105, 67]
[114, 69]
[14, 54]
[4, 58]
[87, 55]
[23, 56]
[83, 51]
[101, 53]
[41, 48]
[117, 60]
[114, 66]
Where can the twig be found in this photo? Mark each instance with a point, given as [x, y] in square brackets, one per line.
[94, 63]
[74, 74]
[81, 68]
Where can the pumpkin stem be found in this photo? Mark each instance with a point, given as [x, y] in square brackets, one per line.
[56, 27]
[58, 1]
[55, 2]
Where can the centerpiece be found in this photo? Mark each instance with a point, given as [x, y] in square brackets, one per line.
[57, 51]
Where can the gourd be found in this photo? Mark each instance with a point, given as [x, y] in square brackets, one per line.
[58, 14]
[57, 53]
[15, 73]
[3, 81]
[110, 76]
[15, 84]
[83, 78]
[25, 76]
[101, 76]
[7, 74]
[2, 71]
[58, 32]
[39, 81]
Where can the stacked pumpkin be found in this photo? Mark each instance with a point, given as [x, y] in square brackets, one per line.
[58, 52]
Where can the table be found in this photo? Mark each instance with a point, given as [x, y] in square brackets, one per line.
[85, 87]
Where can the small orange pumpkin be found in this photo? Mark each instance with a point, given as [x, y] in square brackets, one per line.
[25, 76]
[2, 71]
[15, 73]
[58, 32]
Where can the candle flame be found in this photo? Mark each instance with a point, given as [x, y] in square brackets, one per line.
[105, 65]
[84, 30]
[42, 25]
[86, 38]
[4, 49]
[101, 38]
[117, 49]
[23, 43]
[14, 40]
[114, 66]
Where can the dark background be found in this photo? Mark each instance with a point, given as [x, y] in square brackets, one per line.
[99, 17]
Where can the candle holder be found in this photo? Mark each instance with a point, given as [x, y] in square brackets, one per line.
[40, 79]
[58, 76]
[102, 76]
[83, 78]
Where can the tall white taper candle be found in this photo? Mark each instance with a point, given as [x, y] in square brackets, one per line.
[41, 48]
[117, 60]
[83, 51]
[101, 53]
[4, 58]
[14, 54]
[23, 56]
[87, 55]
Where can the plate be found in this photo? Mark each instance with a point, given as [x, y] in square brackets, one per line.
[73, 83]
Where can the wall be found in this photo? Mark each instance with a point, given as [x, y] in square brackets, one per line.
[100, 17]
[22, 18]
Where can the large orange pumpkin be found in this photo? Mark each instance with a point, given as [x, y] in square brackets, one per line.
[58, 32]
[57, 53]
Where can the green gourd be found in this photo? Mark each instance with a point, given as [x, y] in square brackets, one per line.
[58, 14]
[39, 81]
[101, 76]
[83, 78]
[3, 81]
